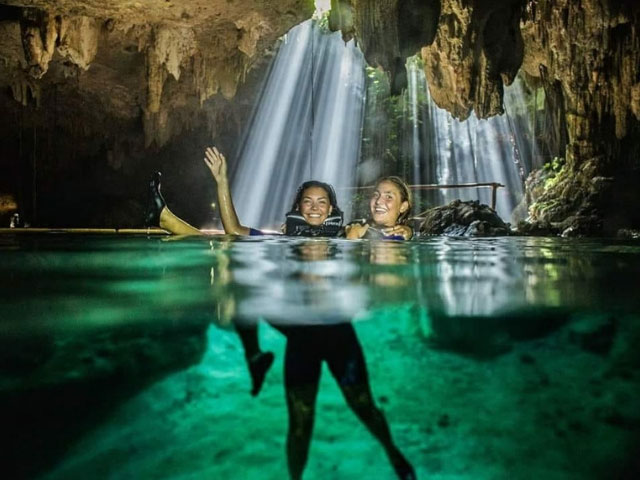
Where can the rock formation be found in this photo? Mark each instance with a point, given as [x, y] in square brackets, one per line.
[205, 47]
[586, 54]
[93, 90]
[590, 51]
[463, 219]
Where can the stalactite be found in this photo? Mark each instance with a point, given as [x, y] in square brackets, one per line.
[594, 75]
[26, 91]
[477, 48]
[39, 32]
[252, 27]
[78, 40]
[169, 47]
[598, 70]
[341, 17]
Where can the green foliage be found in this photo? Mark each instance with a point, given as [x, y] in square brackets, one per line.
[322, 23]
[556, 165]
[389, 120]
[555, 169]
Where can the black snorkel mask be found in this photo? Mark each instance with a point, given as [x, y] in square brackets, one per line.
[297, 226]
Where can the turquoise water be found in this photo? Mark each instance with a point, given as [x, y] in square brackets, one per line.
[490, 358]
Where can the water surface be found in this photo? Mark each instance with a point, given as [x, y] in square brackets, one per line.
[490, 358]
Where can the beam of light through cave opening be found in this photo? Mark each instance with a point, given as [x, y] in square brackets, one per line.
[306, 124]
[415, 129]
[470, 151]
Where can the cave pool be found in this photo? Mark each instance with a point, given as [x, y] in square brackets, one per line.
[492, 358]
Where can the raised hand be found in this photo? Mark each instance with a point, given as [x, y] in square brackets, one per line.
[216, 163]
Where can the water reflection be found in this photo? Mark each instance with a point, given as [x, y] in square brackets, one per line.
[277, 284]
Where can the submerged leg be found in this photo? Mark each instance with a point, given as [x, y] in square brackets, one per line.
[302, 379]
[360, 401]
[258, 361]
[347, 365]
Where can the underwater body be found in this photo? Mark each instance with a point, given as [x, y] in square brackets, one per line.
[490, 358]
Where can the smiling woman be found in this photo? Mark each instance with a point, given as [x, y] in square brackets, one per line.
[391, 202]
[314, 205]
[390, 207]
[314, 211]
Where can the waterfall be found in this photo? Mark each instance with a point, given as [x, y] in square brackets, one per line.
[306, 125]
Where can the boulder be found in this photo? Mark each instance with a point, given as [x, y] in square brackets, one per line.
[463, 219]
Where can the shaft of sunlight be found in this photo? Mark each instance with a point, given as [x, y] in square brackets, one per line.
[306, 125]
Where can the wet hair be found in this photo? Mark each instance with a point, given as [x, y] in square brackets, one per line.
[296, 225]
[405, 196]
[331, 193]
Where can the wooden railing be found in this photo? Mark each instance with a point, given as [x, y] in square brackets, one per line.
[492, 185]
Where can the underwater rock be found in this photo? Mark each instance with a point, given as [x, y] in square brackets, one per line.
[485, 337]
[594, 334]
[61, 385]
[624, 359]
[444, 421]
[628, 233]
[463, 219]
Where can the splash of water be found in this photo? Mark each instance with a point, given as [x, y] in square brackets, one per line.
[306, 125]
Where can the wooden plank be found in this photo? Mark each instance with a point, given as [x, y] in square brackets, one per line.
[92, 231]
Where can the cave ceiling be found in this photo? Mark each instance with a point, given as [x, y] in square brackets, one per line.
[159, 60]
[122, 61]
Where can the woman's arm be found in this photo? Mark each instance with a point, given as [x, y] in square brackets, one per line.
[404, 231]
[355, 230]
[218, 166]
[358, 230]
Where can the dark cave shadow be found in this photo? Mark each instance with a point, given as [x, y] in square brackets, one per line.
[42, 422]
[487, 337]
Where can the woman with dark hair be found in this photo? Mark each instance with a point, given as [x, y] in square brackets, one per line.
[314, 213]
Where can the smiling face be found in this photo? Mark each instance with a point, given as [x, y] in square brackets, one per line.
[314, 205]
[386, 204]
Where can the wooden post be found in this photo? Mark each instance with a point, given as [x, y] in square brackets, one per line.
[494, 192]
